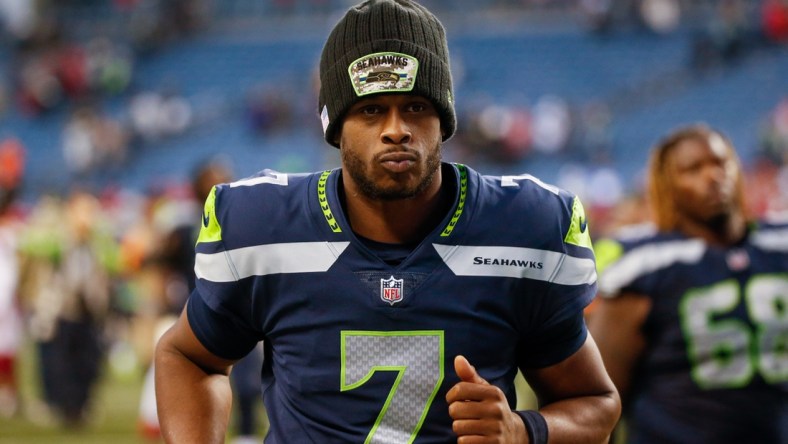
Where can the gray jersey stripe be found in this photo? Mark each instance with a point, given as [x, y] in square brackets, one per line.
[647, 259]
[771, 239]
[297, 257]
[518, 262]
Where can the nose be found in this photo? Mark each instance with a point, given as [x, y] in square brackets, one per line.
[395, 129]
[715, 173]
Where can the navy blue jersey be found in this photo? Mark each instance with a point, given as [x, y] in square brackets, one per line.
[359, 349]
[715, 367]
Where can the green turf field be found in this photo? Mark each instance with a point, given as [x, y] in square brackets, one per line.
[115, 411]
[115, 408]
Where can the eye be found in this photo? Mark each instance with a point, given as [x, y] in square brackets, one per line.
[694, 167]
[419, 107]
[370, 109]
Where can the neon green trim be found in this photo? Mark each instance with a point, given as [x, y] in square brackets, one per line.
[344, 386]
[461, 205]
[210, 230]
[323, 199]
[606, 251]
[578, 229]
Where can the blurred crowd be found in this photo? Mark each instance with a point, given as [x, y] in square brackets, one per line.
[87, 277]
[86, 68]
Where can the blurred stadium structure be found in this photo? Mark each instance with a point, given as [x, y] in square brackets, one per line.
[136, 92]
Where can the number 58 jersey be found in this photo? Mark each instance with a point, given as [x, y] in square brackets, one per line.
[715, 364]
[360, 349]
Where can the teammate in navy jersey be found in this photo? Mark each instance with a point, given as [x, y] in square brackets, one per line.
[692, 321]
[398, 296]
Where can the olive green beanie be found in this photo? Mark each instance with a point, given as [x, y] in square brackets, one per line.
[385, 46]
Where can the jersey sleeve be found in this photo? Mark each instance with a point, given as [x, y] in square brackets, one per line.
[561, 340]
[219, 309]
[220, 333]
[561, 329]
[631, 263]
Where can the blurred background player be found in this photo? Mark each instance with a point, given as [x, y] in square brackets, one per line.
[68, 263]
[175, 263]
[692, 318]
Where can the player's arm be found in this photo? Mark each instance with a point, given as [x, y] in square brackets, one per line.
[576, 397]
[193, 394]
[616, 324]
[579, 402]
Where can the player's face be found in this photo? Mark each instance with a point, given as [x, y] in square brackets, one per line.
[391, 146]
[705, 175]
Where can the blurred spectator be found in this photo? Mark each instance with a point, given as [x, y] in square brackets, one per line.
[11, 167]
[109, 66]
[92, 141]
[19, 18]
[79, 150]
[552, 124]
[499, 133]
[726, 36]
[10, 317]
[594, 137]
[598, 14]
[156, 116]
[774, 134]
[268, 109]
[661, 16]
[67, 281]
[71, 69]
[38, 88]
[52, 68]
[155, 23]
[774, 16]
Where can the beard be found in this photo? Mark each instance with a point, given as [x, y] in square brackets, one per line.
[360, 172]
[719, 222]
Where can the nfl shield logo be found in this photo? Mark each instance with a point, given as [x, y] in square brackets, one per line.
[391, 290]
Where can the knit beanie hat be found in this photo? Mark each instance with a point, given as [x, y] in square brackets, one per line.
[385, 46]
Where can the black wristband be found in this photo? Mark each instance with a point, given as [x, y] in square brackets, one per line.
[535, 426]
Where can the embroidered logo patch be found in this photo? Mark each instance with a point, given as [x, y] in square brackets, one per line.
[738, 260]
[383, 72]
[391, 290]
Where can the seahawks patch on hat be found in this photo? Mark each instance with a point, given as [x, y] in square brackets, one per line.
[383, 72]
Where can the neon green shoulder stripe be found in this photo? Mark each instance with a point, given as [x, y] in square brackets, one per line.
[578, 233]
[607, 251]
[210, 230]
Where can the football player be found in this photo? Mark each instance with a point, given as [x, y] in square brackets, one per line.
[398, 295]
[691, 319]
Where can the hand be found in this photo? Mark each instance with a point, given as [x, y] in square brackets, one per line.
[480, 410]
